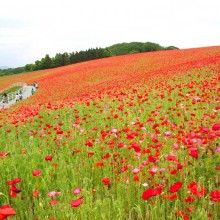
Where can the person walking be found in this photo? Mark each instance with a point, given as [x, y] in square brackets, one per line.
[17, 97]
[5, 97]
[36, 85]
[32, 91]
[2, 103]
[20, 96]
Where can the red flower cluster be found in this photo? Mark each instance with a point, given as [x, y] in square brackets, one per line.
[13, 189]
[196, 189]
[151, 192]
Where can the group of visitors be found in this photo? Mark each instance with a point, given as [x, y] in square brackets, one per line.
[4, 99]
[35, 88]
[35, 85]
[18, 96]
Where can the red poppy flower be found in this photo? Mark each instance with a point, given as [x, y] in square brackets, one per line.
[151, 192]
[53, 202]
[99, 164]
[106, 181]
[90, 154]
[6, 211]
[189, 199]
[186, 217]
[217, 167]
[36, 173]
[179, 212]
[216, 127]
[76, 203]
[190, 209]
[136, 178]
[48, 158]
[194, 153]
[215, 196]
[15, 181]
[176, 187]
[4, 154]
[171, 157]
[36, 193]
[179, 166]
[153, 170]
[197, 190]
[173, 172]
[13, 191]
[170, 197]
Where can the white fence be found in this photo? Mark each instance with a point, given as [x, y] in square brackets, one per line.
[12, 95]
[13, 85]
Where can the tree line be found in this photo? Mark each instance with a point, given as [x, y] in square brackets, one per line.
[63, 59]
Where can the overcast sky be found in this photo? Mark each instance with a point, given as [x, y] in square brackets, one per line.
[31, 29]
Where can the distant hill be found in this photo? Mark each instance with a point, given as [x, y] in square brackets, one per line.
[3, 67]
[136, 47]
[91, 54]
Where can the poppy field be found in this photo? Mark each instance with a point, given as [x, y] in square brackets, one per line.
[128, 137]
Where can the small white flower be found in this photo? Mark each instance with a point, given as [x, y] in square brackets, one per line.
[145, 184]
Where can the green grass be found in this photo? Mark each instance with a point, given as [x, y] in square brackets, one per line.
[13, 89]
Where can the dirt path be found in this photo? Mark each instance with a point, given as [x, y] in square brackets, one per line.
[26, 94]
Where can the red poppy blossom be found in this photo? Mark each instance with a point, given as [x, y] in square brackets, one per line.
[13, 191]
[153, 170]
[179, 166]
[194, 153]
[36, 173]
[173, 172]
[151, 192]
[4, 154]
[179, 212]
[53, 202]
[186, 217]
[48, 158]
[106, 181]
[190, 209]
[76, 203]
[170, 197]
[136, 178]
[15, 181]
[36, 193]
[215, 196]
[6, 211]
[216, 127]
[176, 187]
[197, 190]
[189, 199]
[217, 167]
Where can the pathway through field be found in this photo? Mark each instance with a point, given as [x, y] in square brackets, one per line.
[26, 94]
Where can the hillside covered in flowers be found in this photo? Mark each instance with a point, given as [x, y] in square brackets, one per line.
[128, 137]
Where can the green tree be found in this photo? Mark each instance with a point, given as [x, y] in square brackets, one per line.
[46, 62]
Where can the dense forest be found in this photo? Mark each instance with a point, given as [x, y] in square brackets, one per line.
[62, 59]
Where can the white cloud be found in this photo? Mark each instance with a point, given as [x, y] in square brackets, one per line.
[31, 29]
